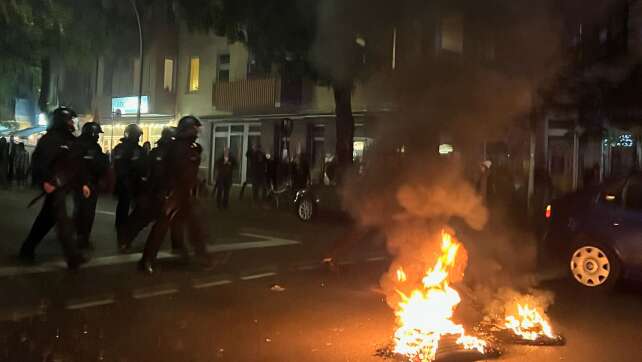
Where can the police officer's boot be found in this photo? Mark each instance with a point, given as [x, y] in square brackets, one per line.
[147, 267]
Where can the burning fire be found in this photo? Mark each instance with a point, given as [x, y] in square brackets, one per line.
[425, 315]
[529, 324]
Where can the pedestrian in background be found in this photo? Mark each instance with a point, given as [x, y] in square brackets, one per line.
[12, 158]
[21, 165]
[4, 163]
[300, 172]
[259, 171]
[225, 166]
[249, 156]
[270, 173]
[147, 147]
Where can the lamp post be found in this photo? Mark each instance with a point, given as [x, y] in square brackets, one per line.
[140, 56]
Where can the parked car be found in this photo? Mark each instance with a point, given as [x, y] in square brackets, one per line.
[314, 200]
[597, 233]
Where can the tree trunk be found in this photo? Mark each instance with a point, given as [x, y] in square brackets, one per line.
[45, 84]
[345, 126]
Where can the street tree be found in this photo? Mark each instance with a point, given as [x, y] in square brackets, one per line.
[74, 32]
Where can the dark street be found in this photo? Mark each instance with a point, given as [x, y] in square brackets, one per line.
[320, 180]
[261, 304]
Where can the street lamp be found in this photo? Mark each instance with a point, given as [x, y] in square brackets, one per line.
[140, 56]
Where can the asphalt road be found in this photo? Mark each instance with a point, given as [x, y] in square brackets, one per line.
[108, 312]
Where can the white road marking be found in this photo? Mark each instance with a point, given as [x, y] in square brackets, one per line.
[309, 267]
[103, 212]
[142, 294]
[216, 283]
[258, 276]
[347, 262]
[376, 258]
[90, 303]
[17, 315]
[58, 265]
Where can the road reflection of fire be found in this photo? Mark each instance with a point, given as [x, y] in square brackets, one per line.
[424, 316]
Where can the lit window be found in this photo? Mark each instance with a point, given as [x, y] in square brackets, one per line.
[168, 75]
[194, 65]
[452, 34]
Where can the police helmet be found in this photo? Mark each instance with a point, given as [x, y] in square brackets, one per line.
[91, 129]
[186, 123]
[167, 134]
[133, 132]
[63, 117]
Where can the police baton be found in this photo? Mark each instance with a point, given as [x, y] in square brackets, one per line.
[36, 199]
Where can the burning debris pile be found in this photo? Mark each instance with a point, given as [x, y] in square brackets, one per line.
[425, 315]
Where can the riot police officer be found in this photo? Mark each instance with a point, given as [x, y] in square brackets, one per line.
[178, 184]
[130, 165]
[54, 169]
[93, 167]
[150, 201]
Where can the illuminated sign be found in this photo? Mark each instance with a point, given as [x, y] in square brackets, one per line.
[129, 105]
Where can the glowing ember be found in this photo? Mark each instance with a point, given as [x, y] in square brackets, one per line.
[529, 324]
[425, 316]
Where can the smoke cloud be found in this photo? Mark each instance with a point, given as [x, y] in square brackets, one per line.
[410, 193]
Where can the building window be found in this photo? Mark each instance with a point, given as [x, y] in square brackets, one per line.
[452, 34]
[194, 68]
[168, 75]
[223, 68]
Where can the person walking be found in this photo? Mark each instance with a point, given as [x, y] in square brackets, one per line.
[130, 166]
[300, 172]
[21, 165]
[4, 163]
[148, 206]
[55, 170]
[249, 157]
[225, 166]
[93, 168]
[259, 176]
[12, 158]
[182, 163]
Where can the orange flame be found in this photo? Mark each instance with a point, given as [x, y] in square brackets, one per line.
[425, 315]
[401, 275]
[529, 323]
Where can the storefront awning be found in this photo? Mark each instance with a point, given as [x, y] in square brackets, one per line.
[24, 133]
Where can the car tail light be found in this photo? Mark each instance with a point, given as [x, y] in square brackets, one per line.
[547, 213]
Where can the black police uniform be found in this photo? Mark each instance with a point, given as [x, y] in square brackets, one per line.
[150, 202]
[130, 166]
[53, 162]
[93, 167]
[181, 178]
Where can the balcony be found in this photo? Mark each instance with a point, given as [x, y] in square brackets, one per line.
[247, 95]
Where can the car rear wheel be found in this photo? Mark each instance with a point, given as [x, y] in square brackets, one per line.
[305, 210]
[594, 266]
